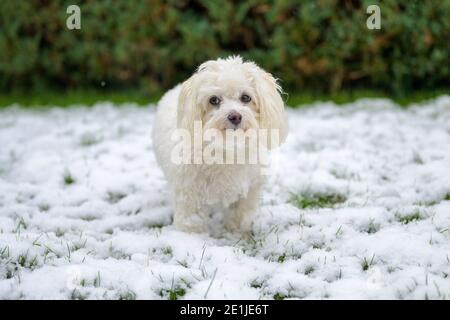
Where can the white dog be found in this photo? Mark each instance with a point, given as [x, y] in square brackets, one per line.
[225, 95]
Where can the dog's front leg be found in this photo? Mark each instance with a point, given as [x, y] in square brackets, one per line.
[240, 214]
[188, 215]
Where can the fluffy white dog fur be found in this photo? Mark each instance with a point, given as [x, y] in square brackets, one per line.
[216, 90]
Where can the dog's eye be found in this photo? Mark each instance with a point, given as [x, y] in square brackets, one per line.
[214, 100]
[245, 98]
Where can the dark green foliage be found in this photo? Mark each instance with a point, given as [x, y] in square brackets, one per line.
[127, 295]
[77, 295]
[68, 178]
[415, 216]
[173, 294]
[316, 200]
[279, 296]
[309, 270]
[321, 45]
[257, 284]
[372, 227]
[366, 263]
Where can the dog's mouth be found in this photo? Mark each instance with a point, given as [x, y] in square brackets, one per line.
[234, 127]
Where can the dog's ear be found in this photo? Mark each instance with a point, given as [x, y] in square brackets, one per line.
[209, 65]
[271, 106]
[188, 111]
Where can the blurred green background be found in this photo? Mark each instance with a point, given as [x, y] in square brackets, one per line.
[133, 50]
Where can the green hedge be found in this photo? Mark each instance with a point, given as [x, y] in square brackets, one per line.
[311, 44]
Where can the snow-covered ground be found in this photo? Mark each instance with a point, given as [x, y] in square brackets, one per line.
[357, 206]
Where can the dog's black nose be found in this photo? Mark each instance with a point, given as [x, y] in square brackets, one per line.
[235, 118]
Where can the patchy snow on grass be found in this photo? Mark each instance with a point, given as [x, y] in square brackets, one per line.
[357, 205]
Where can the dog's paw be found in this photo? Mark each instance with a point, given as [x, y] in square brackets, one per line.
[241, 228]
[191, 225]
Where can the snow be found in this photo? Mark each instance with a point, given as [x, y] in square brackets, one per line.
[85, 214]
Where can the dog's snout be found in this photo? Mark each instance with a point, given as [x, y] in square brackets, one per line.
[235, 117]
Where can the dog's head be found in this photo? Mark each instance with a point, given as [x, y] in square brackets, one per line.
[229, 94]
